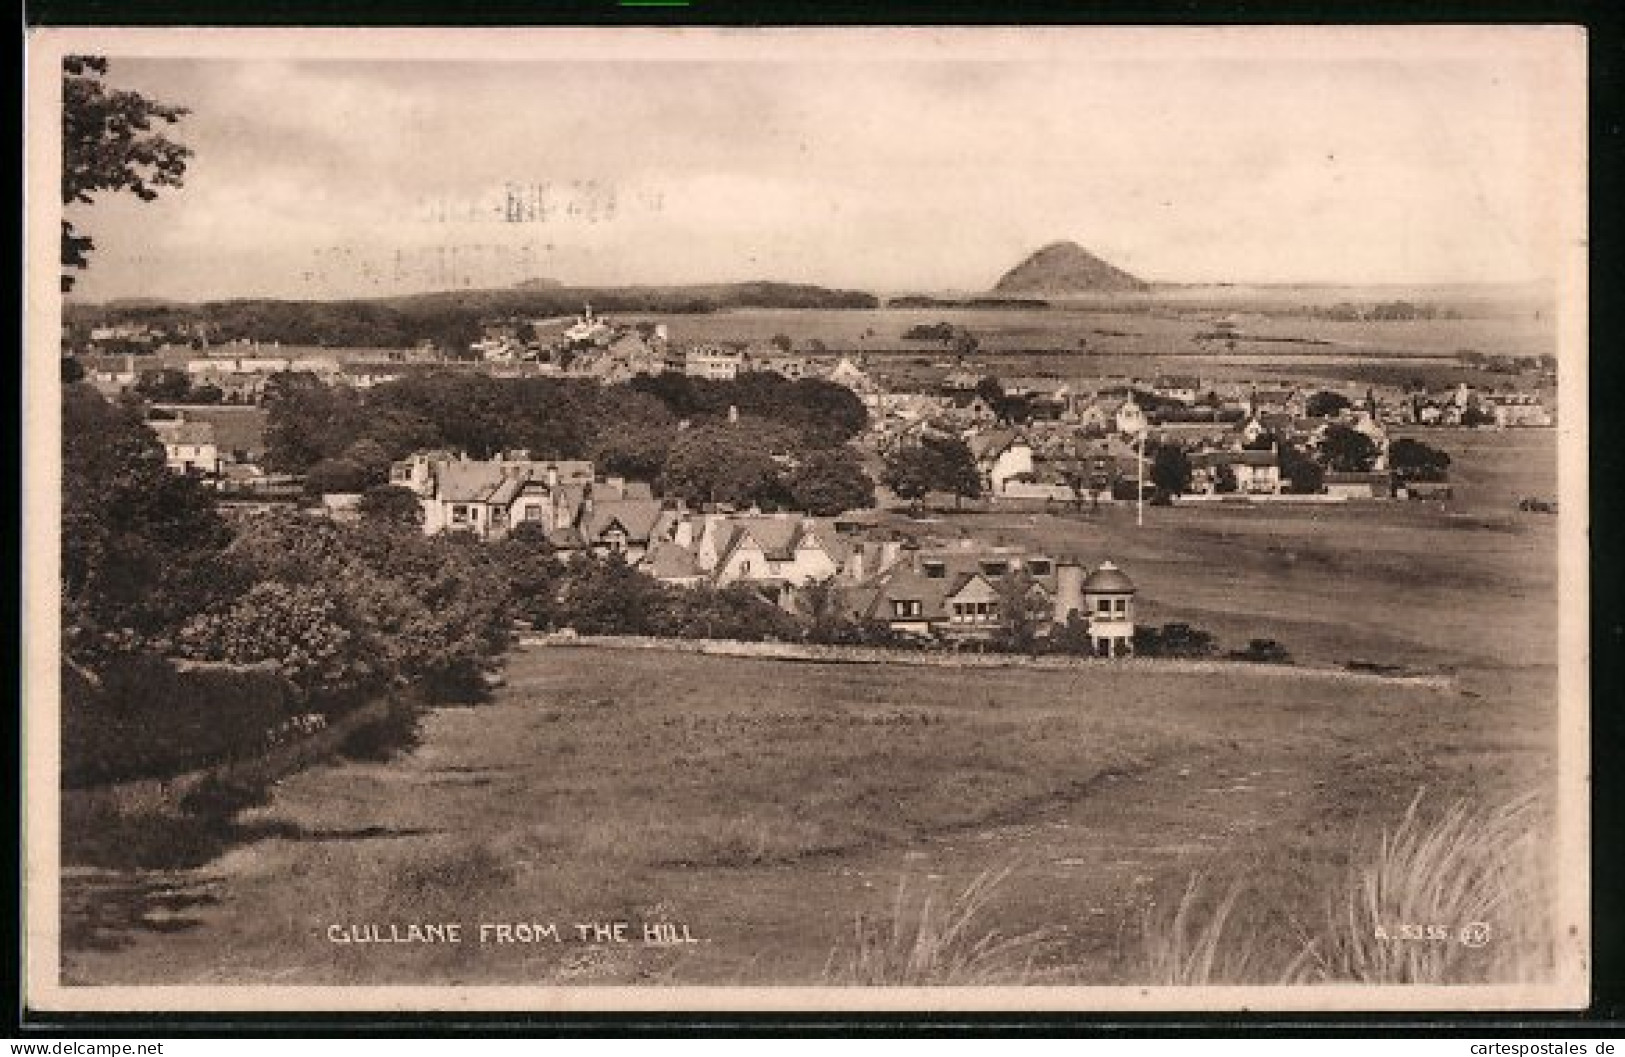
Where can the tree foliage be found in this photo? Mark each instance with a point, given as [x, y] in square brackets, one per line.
[1325, 404]
[111, 142]
[141, 546]
[1171, 470]
[1414, 460]
[1347, 450]
[390, 504]
[829, 482]
[1304, 475]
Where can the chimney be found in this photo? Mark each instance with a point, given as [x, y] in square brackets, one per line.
[552, 475]
[683, 533]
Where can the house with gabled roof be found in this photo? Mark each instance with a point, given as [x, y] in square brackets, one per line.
[959, 590]
[491, 497]
[189, 447]
[853, 374]
[1180, 387]
[624, 526]
[1255, 472]
[1002, 455]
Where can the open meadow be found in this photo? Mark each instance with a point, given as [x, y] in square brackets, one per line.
[804, 822]
[766, 805]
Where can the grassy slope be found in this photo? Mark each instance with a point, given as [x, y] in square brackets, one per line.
[765, 803]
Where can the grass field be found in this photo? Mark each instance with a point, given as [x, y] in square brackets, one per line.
[764, 805]
[768, 806]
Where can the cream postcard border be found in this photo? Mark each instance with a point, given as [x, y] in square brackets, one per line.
[1562, 49]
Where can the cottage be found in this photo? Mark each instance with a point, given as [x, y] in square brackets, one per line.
[774, 552]
[490, 498]
[1002, 455]
[1183, 388]
[960, 590]
[625, 526]
[189, 447]
[715, 362]
[971, 409]
[853, 374]
[1254, 472]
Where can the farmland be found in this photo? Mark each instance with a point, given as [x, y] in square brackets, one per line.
[765, 805]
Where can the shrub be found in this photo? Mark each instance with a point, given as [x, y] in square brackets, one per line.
[1263, 651]
[147, 718]
[1172, 640]
[399, 730]
[296, 626]
[218, 798]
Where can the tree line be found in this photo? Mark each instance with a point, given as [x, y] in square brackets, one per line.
[760, 439]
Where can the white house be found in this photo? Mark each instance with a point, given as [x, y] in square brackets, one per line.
[189, 447]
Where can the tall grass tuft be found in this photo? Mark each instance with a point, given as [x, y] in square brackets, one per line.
[1201, 942]
[924, 943]
[1410, 913]
[1454, 897]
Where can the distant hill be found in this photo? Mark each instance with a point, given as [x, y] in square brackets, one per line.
[1063, 268]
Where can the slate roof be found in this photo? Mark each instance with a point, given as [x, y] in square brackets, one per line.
[183, 432]
[638, 518]
[908, 581]
[991, 444]
[667, 560]
[468, 482]
[779, 537]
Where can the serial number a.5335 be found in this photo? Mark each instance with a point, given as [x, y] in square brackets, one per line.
[1415, 932]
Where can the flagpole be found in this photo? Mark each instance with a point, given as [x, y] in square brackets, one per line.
[1139, 491]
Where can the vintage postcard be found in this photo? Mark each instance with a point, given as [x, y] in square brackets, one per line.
[843, 519]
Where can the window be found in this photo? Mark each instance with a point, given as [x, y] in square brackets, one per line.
[1038, 566]
[459, 514]
[744, 567]
[533, 513]
[1121, 606]
[994, 568]
[1104, 607]
[936, 570]
[907, 607]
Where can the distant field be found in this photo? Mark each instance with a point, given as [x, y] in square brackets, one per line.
[1160, 330]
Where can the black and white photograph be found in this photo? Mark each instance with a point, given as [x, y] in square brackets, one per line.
[997, 518]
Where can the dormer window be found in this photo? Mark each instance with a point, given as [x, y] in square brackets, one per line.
[995, 568]
[936, 570]
[1038, 566]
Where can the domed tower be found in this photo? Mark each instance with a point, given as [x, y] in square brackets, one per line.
[1108, 598]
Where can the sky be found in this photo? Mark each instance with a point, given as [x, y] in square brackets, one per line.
[932, 165]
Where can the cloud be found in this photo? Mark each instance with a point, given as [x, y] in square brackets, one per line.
[1401, 165]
